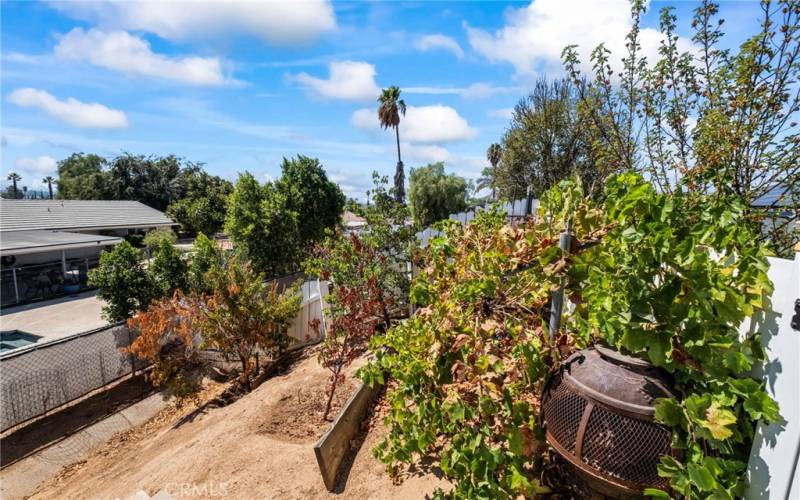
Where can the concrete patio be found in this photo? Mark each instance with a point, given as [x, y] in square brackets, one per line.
[57, 318]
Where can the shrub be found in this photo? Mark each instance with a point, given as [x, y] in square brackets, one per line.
[167, 340]
[123, 283]
[167, 269]
[153, 238]
[667, 277]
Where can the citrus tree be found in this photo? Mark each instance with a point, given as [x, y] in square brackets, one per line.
[245, 316]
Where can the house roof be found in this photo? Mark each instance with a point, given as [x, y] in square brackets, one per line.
[25, 242]
[778, 196]
[77, 215]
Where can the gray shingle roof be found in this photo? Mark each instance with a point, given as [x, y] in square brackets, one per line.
[17, 242]
[79, 215]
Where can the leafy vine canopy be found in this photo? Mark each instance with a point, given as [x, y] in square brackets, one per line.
[668, 277]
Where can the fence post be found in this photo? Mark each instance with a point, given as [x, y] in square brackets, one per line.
[130, 354]
[16, 288]
[557, 300]
[410, 271]
[529, 202]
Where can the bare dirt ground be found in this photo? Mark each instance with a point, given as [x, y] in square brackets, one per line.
[260, 446]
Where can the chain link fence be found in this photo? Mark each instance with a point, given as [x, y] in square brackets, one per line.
[39, 378]
[43, 377]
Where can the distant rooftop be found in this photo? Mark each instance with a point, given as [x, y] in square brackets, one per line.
[77, 215]
[23, 242]
[779, 196]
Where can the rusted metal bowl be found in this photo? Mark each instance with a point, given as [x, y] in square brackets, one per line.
[598, 415]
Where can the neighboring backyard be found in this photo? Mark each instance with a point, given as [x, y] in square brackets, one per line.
[57, 318]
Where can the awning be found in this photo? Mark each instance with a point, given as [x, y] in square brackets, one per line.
[37, 241]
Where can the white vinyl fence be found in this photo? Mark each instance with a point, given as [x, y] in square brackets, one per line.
[513, 209]
[773, 467]
[312, 308]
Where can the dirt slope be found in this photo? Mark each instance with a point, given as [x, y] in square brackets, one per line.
[258, 447]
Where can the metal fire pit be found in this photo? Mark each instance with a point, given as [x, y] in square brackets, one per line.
[598, 415]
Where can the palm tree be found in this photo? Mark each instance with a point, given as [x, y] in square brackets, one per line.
[14, 177]
[486, 180]
[493, 154]
[49, 180]
[389, 115]
[13, 192]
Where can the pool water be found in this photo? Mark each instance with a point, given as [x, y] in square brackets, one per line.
[14, 339]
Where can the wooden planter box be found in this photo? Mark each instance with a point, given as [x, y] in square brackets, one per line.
[334, 444]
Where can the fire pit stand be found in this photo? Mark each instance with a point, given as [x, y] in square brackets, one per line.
[598, 416]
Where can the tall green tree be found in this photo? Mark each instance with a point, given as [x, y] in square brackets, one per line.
[724, 120]
[544, 143]
[317, 201]
[82, 177]
[153, 181]
[193, 198]
[203, 202]
[434, 195]
[123, 283]
[263, 228]
[206, 254]
[389, 111]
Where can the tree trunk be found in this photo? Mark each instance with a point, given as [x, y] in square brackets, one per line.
[397, 136]
[333, 391]
[50, 189]
[399, 175]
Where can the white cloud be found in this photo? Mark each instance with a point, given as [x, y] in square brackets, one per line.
[422, 124]
[276, 22]
[505, 113]
[365, 119]
[439, 41]
[425, 153]
[131, 55]
[42, 165]
[72, 111]
[479, 90]
[534, 36]
[349, 80]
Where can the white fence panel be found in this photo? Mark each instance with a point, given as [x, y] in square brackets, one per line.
[773, 467]
[312, 307]
[514, 208]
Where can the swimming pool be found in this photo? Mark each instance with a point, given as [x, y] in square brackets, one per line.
[13, 339]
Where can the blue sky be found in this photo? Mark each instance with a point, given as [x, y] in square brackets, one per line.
[240, 85]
